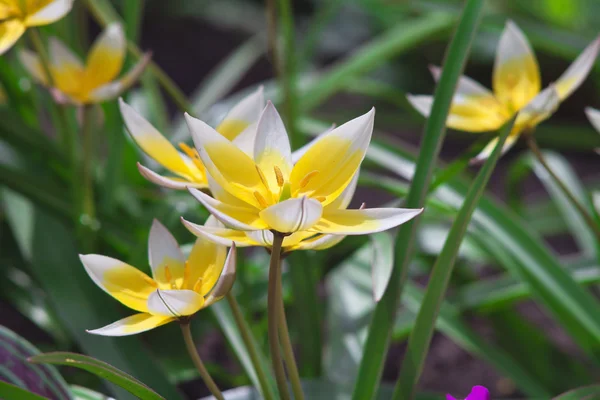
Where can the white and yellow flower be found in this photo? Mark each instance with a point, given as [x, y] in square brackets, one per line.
[268, 191]
[302, 240]
[594, 117]
[179, 287]
[18, 15]
[516, 86]
[94, 81]
[186, 164]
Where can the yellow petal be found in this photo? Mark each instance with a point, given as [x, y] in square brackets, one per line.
[114, 88]
[344, 199]
[229, 166]
[226, 278]
[329, 164]
[125, 283]
[242, 115]
[206, 262]
[45, 12]
[153, 143]
[242, 218]
[516, 77]
[106, 57]
[8, 9]
[574, 76]
[360, 222]
[10, 32]
[174, 303]
[163, 253]
[67, 69]
[137, 323]
[292, 215]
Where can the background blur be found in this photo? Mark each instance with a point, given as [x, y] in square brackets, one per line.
[216, 51]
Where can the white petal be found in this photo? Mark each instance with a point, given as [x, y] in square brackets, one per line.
[364, 221]
[61, 56]
[245, 219]
[52, 12]
[32, 64]
[249, 108]
[489, 148]
[292, 215]
[226, 279]
[220, 235]
[594, 117]
[245, 141]
[162, 247]
[174, 303]
[574, 76]
[320, 242]
[272, 139]
[466, 86]
[171, 183]
[421, 103]
[131, 325]
[540, 108]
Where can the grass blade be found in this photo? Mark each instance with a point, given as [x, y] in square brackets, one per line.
[420, 337]
[383, 318]
[101, 369]
[8, 391]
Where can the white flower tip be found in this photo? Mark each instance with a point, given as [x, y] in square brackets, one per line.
[510, 24]
[156, 224]
[435, 70]
[114, 28]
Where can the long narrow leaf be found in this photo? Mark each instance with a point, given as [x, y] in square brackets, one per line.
[383, 319]
[420, 338]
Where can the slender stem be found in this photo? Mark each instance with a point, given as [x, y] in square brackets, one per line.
[191, 348]
[288, 350]
[88, 208]
[104, 18]
[67, 135]
[273, 300]
[250, 346]
[531, 142]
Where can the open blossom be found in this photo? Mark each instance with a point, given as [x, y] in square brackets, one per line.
[263, 189]
[18, 15]
[92, 82]
[516, 89]
[179, 287]
[477, 393]
[186, 164]
[301, 240]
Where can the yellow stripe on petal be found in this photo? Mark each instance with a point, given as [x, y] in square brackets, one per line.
[516, 77]
[114, 88]
[164, 253]
[137, 323]
[125, 283]
[206, 262]
[329, 164]
[231, 128]
[360, 222]
[10, 32]
[47, 11]
[67, 69]
[106, 57]
[242, 115]
[229, 166]
[153, 143]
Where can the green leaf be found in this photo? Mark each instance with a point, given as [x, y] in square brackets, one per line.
[420, 337]
[9, 391]
[405, 36]
[584, 393]
[383, 318]
[383, 262]
[101, 369]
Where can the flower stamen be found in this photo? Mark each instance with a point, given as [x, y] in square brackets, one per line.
[186, 275]
[197, 285]
[304, 181]
[279, 176]
[261, 200]
[261, 175]
[169, 277]
[192, 154]
[149, 280]
[320, 199]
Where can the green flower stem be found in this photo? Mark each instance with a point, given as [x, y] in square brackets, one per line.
[88, 209]
[250, 346]
[533, 147]
[273, 301]
[191, 348]
[66, 134]
[288, 350]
